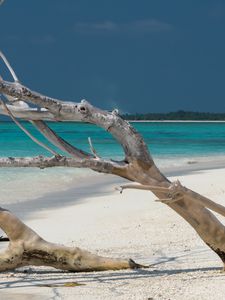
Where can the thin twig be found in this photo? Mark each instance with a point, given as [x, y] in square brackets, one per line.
[143, 187]
[93, 151]
[56, 140]
[9, 67]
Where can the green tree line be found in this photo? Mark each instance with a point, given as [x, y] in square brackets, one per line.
[178, 115]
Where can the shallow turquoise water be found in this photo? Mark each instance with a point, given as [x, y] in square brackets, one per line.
[172, 145]
[171, 140]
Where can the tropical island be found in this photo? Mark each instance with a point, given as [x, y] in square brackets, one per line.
[180, 115]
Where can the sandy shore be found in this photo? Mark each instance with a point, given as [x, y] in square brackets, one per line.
[133, 225]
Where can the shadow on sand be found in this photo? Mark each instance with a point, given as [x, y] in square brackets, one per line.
[34, 278]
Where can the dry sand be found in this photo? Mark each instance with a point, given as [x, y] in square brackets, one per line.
[96, 217]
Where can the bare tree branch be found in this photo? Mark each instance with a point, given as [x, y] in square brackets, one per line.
[40, 125]
[143, 187]
[17, 90]
[131, 141]
[9, 67]
[58, 141]
[92, 148]
[103, 166]
[27, 113]
[27, 132]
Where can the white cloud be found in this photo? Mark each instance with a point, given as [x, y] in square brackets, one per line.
[135, 27]
[150, 25]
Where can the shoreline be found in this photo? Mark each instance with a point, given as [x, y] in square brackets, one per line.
[93, 184]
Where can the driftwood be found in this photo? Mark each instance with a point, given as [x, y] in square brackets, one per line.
[26, 247]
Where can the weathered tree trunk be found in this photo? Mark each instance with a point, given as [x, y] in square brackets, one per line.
[26, 247]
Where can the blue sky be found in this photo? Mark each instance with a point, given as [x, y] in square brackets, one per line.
[138, 56]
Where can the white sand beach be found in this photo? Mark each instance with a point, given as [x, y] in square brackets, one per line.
[95, 217]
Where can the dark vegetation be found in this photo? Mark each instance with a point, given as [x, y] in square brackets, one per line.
[178, 115]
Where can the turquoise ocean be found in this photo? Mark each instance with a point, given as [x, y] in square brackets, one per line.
[172, 145]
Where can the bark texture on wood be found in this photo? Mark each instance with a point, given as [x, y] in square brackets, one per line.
[137, 166]
[26, 247]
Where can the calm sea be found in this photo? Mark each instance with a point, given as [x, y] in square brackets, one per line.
[172, 144]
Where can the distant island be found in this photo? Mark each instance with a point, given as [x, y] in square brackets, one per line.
[177, 115]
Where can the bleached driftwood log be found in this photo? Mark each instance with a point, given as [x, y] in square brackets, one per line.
[26, 247]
